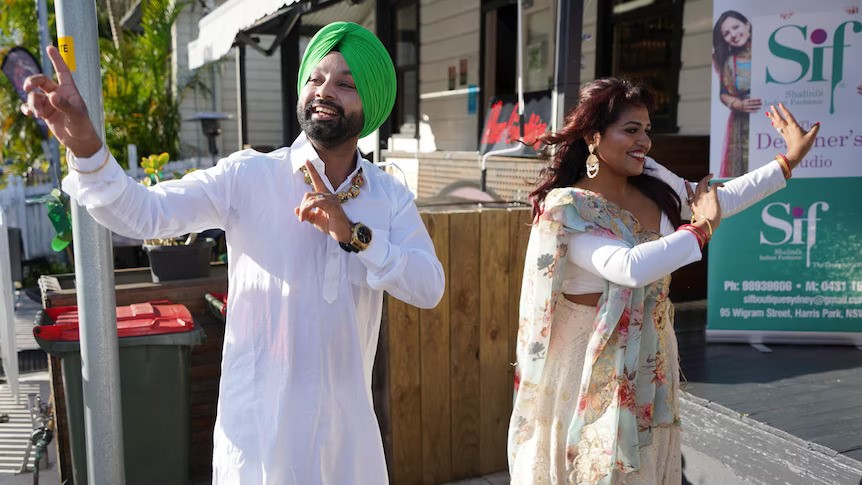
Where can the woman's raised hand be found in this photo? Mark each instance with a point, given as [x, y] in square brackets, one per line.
[704, 204]
[798, 141]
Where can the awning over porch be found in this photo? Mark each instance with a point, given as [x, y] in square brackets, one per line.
[217, 31]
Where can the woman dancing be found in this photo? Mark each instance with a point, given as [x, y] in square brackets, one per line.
[597, 384]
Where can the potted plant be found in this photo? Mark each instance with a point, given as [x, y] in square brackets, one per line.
[174, 258]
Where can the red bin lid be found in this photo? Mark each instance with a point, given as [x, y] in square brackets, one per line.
[137, 320]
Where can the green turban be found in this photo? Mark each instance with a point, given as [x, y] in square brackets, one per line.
[369, 63]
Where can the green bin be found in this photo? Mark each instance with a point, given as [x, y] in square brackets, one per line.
[155, 341]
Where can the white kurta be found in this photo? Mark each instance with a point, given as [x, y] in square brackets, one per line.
[295, 402]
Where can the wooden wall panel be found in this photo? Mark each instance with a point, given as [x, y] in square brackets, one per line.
[405, 398]
[495, 387]
[464, 283]
[434, 357]
[449, 368]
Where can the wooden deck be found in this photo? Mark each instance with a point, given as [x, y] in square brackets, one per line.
[814, 393]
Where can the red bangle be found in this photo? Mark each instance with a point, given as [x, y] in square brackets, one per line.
[785, 165]
[699, 231]
[698, 234]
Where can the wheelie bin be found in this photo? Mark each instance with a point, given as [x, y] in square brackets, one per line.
[155, 341]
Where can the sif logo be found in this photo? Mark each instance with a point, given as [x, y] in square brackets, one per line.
[789, 224]
[810, 51]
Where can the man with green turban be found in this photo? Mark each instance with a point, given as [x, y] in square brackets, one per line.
[369, 63]
[305, 286]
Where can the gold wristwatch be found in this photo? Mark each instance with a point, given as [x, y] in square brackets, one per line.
[359, 240]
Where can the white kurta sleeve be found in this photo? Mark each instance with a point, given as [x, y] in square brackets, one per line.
[737, 194]
[198, 201]
[633, 267]
[403, 262]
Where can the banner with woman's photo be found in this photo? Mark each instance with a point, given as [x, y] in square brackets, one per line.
[790, 268]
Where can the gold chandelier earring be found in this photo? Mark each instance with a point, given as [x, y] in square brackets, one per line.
[592, 162]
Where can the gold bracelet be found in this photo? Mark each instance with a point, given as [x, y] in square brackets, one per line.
[697, 217]
[785, 165]
[85, 172]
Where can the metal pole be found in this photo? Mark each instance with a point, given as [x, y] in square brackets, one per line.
[78, 42]
[520, 67]
[7, 310]
[53, 148]
[242, 95]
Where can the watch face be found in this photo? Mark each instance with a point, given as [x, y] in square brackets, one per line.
[363, 233]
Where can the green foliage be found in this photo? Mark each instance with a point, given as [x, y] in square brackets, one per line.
[140, 107]
[20, 140]
[153, 166]
[57, 204]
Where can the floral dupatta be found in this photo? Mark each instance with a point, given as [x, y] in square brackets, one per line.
[624, 389]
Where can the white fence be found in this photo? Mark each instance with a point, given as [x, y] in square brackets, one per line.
[24, 209]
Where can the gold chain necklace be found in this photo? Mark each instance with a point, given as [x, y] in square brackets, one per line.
[355, 184]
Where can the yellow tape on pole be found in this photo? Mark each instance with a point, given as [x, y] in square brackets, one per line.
[66, 46]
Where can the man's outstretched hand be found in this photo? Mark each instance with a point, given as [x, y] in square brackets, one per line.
[61, 106]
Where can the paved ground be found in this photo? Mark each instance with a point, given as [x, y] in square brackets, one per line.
[15, 434]
[813, 392]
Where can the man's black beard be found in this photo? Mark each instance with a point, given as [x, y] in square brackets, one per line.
[329, 133]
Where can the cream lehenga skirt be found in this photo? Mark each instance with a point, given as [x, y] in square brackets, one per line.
[542, 459]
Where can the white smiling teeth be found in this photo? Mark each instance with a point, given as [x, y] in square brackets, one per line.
[325, 111]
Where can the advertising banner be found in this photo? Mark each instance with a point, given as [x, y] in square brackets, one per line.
[788, 269]
[803, 54]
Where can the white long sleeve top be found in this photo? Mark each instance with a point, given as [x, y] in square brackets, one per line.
[303, 316]
[598, 259]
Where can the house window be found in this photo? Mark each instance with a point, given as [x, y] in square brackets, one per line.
[406, 32]
[501, 40]
[640, 40]
[500, 35]
[499, 73]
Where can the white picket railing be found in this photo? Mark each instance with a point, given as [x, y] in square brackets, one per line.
[24, 209]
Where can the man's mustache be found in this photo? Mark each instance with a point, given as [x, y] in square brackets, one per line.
[309, 109]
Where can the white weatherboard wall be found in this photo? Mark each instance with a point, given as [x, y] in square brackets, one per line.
[694, 76]
[263, 91]
[192, 140]
[449, 31]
